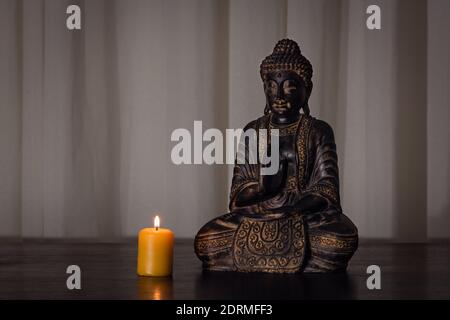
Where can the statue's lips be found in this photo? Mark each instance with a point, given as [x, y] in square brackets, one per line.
[280, 106]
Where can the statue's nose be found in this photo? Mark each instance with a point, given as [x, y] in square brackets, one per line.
[280, 93]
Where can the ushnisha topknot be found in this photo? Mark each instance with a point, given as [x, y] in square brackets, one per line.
[287, 56]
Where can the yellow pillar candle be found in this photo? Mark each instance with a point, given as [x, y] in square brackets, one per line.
[155, 251]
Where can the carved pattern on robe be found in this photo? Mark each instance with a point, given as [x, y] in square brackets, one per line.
[275, 245]
[302, 148]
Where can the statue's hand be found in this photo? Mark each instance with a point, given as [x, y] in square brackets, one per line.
[274, 184]
[311, 203]
[284, 174]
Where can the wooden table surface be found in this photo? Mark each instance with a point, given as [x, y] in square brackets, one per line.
[37, 270]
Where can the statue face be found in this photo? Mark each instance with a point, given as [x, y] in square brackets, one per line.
[285, 92]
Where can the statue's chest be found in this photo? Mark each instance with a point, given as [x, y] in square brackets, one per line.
[287, 148]
[288, 152]
[294, 150]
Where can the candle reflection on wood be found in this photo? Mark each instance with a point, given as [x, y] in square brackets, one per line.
[155, 288]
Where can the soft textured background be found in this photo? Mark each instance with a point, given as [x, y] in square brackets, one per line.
[86, 116]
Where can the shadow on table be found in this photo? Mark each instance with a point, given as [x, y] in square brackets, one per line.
[234, 285]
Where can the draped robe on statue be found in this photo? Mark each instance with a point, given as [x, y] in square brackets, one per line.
[274, 235]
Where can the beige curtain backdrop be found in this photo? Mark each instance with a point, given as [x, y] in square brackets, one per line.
[86, 116]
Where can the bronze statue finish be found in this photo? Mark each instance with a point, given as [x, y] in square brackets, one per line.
[291, 221]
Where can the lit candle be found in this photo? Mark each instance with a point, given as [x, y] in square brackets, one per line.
[155, 251]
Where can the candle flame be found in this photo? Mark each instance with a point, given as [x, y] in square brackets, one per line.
[156, 222]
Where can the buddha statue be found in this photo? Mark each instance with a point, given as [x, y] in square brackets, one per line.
[291, 221]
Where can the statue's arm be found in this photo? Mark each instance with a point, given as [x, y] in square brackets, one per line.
[322, 189]
[245, 191]
[250, 200]
[253, 195]
[245, 184]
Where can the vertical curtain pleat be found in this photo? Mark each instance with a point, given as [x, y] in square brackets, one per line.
[86, 116]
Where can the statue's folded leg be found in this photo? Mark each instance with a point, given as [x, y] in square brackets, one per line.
[331, 245]
[213, 243]
[271, 242]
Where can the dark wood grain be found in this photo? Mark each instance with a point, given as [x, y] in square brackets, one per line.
[36, 270]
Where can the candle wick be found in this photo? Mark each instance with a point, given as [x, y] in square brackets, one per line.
[156, 228]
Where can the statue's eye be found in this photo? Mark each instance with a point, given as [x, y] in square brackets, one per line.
[289, 87]
[272, 86]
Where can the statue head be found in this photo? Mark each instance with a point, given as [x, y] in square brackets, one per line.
[286, 75]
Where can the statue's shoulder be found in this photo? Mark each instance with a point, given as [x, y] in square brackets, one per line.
[257, 123]
[321, 128]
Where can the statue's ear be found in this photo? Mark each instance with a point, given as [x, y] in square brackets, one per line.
[266, 108]
[306, 109]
